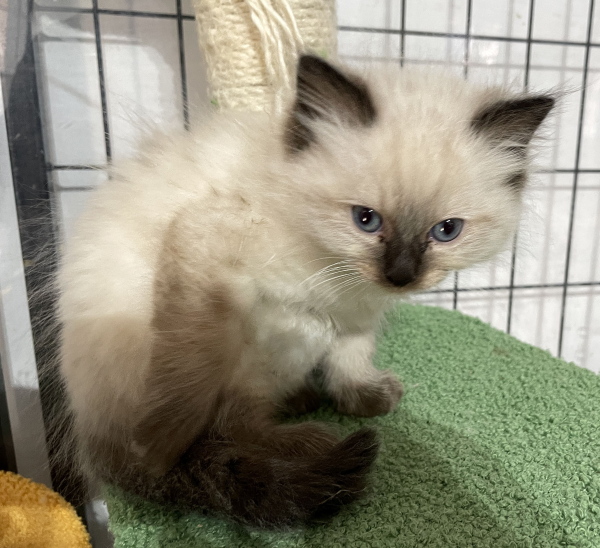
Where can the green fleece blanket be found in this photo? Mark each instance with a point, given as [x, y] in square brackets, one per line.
[494, 444]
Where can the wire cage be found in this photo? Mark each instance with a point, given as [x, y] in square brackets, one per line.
[83, 80]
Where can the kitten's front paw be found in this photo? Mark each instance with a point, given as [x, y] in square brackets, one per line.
[371, 399]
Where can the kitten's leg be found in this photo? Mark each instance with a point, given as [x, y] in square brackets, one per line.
[197, 339]
[199, 445]
[355, 385]
[193, 353]
[305, 399]
[237, 460]
[261, 473]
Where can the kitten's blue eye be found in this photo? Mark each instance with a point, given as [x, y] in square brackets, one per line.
[366, 219]
[447, 230]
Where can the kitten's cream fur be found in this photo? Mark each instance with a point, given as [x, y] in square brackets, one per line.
[224, 262]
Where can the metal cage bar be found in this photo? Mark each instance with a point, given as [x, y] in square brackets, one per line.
[586, 64]
[513, 259]
[100, 59]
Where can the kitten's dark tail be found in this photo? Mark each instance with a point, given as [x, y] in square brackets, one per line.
[258, 472]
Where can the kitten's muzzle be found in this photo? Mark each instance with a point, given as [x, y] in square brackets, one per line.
[403, 266]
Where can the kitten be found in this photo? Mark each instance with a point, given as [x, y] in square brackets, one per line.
[212, 275]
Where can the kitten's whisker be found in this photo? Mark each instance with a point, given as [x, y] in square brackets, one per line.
[326, 269]
[345, 275]
[331, 278]
[350, 281]
[275, 256]
[336, 265]
[362, 282]
[324, 259]
[337, 270]
[333, 296]
[346, 290]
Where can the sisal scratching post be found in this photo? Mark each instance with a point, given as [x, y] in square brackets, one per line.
[251, 46]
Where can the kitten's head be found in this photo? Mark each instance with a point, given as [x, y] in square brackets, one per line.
[407, 175]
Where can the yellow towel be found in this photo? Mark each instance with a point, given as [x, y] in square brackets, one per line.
[33, 516]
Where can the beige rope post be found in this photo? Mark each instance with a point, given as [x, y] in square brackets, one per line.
[251, 46]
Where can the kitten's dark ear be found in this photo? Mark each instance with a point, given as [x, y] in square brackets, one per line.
[513, 122]
[322, 92]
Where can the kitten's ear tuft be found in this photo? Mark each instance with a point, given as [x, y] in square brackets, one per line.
[514, 121]
[322, 92]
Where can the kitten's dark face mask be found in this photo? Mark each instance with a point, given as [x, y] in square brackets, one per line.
[404, 259]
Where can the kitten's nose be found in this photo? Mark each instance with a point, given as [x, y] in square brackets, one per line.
[403, 270]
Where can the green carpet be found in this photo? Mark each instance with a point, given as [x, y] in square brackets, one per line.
[495, 444]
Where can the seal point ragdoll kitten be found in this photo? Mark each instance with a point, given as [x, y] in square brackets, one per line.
[212, 275]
